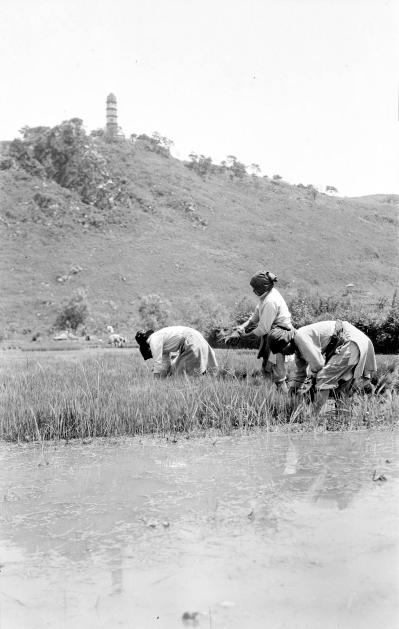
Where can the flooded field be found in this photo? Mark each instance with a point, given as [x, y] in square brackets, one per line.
[239, 532]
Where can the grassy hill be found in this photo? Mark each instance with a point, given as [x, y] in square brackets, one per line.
[181, 236]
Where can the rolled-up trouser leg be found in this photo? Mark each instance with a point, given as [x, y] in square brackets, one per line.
[267, 368]
[276, 372]
[279, 370]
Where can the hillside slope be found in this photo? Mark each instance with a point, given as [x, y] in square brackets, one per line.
[180, 237]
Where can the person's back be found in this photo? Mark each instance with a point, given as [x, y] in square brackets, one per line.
[273, 310]
[311, 340]
[318, 334]
[194, 353]
[336, 352]
[171, 337]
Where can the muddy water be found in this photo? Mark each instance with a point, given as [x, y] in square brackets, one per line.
[239, 532]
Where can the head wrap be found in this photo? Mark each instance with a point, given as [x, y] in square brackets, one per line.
[279, 338]
[263, 281]
[142, 340]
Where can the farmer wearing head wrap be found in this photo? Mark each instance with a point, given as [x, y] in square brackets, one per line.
[142, 337]
[194, 355]
[271, 311]
[336, 352]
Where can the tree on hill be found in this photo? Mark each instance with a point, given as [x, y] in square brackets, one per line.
[68, 156]
[74, 313]
[254, 169]
[312, 191]
[236, 169]
[200, 164]
[156, 143]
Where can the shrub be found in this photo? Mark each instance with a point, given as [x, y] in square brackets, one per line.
[242, 310]
[200, 164]
[154, 312]
[74, 313]
[302, 310]
[381, 328]
[66, 155]
[157, 143]
[380, 325]
[236, 169]
[6, 163]
[204, 314]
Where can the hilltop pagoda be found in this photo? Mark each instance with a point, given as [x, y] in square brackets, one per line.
[112, 116]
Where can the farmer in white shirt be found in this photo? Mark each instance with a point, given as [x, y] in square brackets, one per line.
[271, 311]
[336, 352]
[194, 355]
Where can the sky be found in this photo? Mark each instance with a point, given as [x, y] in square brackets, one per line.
[307, 89]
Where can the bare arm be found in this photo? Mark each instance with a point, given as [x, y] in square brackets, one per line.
[156, 345]
[310, 353]
[246, 328]
[300, 371]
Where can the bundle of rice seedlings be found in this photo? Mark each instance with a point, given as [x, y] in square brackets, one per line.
[228, 336]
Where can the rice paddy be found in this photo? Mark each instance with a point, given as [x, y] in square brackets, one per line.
[103, 393]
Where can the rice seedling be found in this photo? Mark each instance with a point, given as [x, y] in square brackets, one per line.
[59, 397]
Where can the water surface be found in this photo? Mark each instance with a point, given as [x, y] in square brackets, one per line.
[243, 532]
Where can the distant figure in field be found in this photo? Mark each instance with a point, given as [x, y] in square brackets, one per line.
[271, 311]
[194, 355]
[116, 340]
[336, 352]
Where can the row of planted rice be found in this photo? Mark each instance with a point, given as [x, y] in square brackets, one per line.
[58, 396]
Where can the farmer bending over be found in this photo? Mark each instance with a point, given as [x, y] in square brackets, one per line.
[195, 355]
[271, 311]
[336, 352]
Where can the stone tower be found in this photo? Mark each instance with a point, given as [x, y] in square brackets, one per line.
[112, 116]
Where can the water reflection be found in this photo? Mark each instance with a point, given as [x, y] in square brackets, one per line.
[291, 459]
[287, 529]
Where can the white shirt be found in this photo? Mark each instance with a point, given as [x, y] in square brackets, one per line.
[311, 340]
[271, 310]
[165, 341]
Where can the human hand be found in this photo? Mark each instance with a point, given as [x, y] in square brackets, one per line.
[234, 337]
[229, 336]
